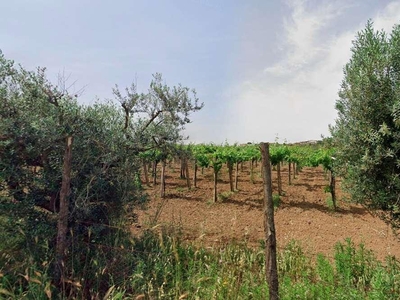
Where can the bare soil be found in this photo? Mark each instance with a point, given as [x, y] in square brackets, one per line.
[303, 214]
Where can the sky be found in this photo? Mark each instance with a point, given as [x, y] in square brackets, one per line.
[265, 70]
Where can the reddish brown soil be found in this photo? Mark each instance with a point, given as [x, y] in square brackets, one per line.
[303, 214]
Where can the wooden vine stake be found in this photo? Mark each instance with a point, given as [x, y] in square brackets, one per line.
[195, 174]
[62, 225]
[187, 174]
[269, 226]
[162, 178]
[146, 172]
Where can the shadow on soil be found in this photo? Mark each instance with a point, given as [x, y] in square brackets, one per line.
[183, 195]
[322, 207]
[250, 203]
[311, 188]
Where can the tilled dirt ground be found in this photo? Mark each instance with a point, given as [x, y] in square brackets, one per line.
[303, 214]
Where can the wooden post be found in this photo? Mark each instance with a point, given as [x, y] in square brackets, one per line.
[278, 170]
[62, 224]
[269, 226]
[251, 171]
[294, 170]
[155, 172]
[236, 176]
[187, 173]
[162, 179]
[230, 172]
[290, 171]
[332, 185]
[146, 173]
[183, 169]
[215, 185]
[195, 174]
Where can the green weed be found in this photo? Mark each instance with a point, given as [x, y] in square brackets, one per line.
[225, 195]
[276, 199]
[181, 189]
[329, 203]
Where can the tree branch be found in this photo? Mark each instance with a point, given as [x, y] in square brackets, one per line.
[152, 119]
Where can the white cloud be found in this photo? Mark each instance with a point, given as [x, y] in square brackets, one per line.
[301, 30]
[295, 97]
[386, 18]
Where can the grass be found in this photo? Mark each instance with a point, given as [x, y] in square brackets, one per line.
[276, 199]
[181, 189]
[160, 266]
[225, 195]
[329, 203]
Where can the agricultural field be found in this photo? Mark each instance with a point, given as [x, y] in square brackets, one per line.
[304, 212]
[109, 201]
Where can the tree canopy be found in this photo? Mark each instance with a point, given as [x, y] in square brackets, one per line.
[367, 132]
[36, 116]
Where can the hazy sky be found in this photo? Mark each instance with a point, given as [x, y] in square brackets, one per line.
[263, 68]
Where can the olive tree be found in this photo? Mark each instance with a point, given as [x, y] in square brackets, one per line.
[156, 119]
[36, 117]
[157, 116]
[367, 130]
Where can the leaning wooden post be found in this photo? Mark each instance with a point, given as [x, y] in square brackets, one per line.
[269, 226]
[62, 224]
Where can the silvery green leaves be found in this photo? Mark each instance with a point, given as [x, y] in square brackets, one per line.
[159, 115]
[367, 130]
